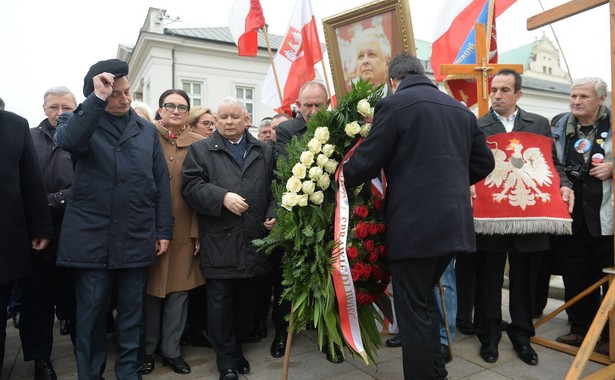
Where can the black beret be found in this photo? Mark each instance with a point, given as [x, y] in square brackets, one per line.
[116, 67]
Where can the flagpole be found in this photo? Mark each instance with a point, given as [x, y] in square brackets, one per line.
[324, 74]
[490, 25]
[275, 73]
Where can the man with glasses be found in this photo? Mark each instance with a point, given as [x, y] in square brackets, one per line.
[117, 220]
[46, 284]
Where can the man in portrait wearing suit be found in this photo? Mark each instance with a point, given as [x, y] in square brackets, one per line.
[524, 252]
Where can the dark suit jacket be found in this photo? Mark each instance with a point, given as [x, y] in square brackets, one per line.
[285, 132]
[24, 210]
[530, 123]
[431, 150]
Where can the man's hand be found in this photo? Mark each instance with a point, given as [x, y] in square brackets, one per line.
[567, 197]
[38, 244]
[161, 246]
[269, 223]
[472, 194]
[235, 203]
[602, 170]
[103, 85]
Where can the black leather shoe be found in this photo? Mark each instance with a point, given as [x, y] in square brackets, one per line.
[43, 370]
[177, 364]
[334, 357]
[243, 366]
[394, 341]
[64, 327]
[148, 365]
[489, 352]
[527, 354]
[228, 374]
[278, 346]
[17, 320]
[199, 339]
[446, 353]
[465, 327]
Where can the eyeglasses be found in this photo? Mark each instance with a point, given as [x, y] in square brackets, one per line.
[207, 123]
[55, 109]
[182, 108]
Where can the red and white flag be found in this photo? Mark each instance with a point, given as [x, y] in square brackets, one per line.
[455, 29]
[245, 18]
[299, 52]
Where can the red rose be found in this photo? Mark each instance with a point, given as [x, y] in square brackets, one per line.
[352, 253]
[377, 202]
[377, 272]
[372, 228]
[360, 212]
[364, 298]
[372, 257]
[361, 230]
[367, 271]
[356, 271]
[381, 228]
[368, 245]
[382, 250]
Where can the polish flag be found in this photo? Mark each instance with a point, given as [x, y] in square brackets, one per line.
[245, 18]
[295, 60]
[455, 26]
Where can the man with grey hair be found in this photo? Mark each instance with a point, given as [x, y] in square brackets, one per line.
[407, 126]
[48, 283]
[373, 55]
[227, 181]
[265, 132]
[583, 139]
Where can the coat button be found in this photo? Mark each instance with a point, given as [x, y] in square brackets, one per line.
[118, 148]
[119, 183]
[171, 158]
[115, 220]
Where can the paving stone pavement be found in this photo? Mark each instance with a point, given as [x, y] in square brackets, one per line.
[308, 363]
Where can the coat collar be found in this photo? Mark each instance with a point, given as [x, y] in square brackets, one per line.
[185, 139]
[415, 80]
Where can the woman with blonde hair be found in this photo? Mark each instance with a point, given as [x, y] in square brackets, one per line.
[201, 121]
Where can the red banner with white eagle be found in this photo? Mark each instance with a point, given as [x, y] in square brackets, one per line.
[522, 194]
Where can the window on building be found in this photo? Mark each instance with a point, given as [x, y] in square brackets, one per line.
[544, 69]
[550, 70]
[194, 91]
[246, 95]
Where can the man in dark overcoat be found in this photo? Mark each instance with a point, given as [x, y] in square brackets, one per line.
[25, 224]
[524, 251]
[118, 216]
[431, 150]
[227, 181]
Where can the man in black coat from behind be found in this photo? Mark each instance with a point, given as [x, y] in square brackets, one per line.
[431, 150]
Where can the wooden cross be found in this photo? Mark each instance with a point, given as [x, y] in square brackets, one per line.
[605, 313]
[480, 70]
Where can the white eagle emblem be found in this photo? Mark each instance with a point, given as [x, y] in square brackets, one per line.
[520, 176]
[292, 48]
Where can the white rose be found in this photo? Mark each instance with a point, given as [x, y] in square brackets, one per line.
[302, 200]
[314, 145]
[299, 171]
[365, 129]
[330, 166]
[315, 173]
[352, 129]
[324, 181]
[321, 160]
[293, 184]
[308, 187]
[289, 200]
[328, 150]
[317, 197]
[322, 134]
[363, 107]
[307, 158]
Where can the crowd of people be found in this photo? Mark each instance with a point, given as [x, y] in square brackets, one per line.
[117, 218]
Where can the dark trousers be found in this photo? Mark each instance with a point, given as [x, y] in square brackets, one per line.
[37, 309]
[263, 299]
[281, 308]
[197, 311]
[5, 294]
[582, 258]
[417, 315]
[524, 268]
[94, 289]
[230, 311]
[465, 273]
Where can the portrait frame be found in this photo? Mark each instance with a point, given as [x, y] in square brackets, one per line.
[391, 16]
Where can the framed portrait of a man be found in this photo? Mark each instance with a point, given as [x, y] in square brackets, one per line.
[362, 41]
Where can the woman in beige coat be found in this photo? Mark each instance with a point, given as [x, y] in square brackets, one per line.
[176, 271]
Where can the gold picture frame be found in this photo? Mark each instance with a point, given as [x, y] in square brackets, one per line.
[347, 34]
